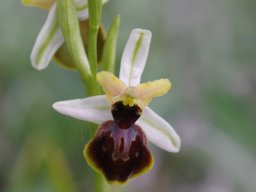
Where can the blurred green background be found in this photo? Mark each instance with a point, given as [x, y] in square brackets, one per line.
[206, 48]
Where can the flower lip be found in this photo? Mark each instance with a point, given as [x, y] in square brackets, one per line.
[119, 154]
[125, 115]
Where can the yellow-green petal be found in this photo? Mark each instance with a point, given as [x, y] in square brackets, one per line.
[146, 91]
[43, 4]
[111, 85]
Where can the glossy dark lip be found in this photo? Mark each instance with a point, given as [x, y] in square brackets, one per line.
[119, 153]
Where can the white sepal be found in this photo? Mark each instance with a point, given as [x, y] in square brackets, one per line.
[82, 9]
[134, 57]
[50, 37]
[94, 109]
[158, 131]
[48, 41]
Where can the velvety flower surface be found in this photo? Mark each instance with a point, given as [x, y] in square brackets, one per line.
[119, 150]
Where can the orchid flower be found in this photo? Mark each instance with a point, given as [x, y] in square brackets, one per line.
[50, 38]
[119, 150]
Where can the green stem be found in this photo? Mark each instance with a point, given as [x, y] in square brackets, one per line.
[92, 48]
[91, 85]
[68, 22]
[95, 11]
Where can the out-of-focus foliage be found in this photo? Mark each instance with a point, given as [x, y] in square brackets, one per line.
[207, 49]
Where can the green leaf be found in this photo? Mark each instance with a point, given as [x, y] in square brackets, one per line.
[109, 51]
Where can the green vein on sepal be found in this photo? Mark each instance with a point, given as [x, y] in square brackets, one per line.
[160, 129]
[135, 53]
[46, 42]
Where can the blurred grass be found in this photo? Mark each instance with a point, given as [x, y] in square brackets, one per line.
[207, 49]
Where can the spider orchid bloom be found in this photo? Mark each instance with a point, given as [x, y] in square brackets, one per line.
[119, 149]
[50, 38]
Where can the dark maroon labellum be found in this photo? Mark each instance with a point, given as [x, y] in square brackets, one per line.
[119, 153]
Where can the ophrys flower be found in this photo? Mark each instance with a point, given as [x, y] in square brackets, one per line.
[119, 149]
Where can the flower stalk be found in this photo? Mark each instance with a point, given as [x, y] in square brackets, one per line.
[95, 11]
[68, 21]
[71, 32]
[67, 18]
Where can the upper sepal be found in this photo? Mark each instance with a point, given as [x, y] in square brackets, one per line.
[134, 56]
